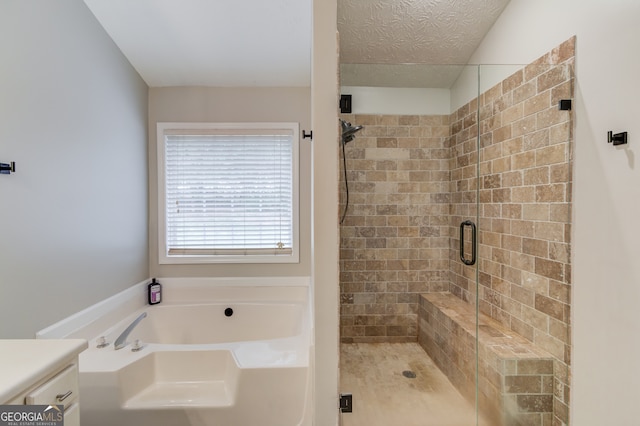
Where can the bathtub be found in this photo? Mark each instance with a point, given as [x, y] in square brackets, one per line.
[214, 352]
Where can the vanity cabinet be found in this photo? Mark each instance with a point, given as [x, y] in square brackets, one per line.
[42, 372]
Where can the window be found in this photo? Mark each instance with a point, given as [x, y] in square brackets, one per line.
[228, 192]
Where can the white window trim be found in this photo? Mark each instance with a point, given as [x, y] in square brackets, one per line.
[163, 256]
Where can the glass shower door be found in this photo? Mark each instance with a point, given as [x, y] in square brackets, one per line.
[523, 241]
[405, 196]
[458, 220]
[460, 304]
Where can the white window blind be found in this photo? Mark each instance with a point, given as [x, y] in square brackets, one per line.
[229, 192]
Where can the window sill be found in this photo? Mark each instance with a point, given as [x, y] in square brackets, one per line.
[190, 260]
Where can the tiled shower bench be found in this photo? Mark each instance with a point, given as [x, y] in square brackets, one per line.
[515, 378]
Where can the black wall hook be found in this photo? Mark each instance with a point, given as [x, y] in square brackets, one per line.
[307, 135]
[7, 169]
[564, 105]
[617, 139]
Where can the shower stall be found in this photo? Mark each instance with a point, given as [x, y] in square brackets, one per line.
[457, 233]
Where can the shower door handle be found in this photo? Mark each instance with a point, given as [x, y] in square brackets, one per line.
[464, 224]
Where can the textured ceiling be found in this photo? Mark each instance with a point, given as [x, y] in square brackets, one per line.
[268, 42]
[410, 32]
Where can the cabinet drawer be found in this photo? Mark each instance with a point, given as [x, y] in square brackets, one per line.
[60, 389]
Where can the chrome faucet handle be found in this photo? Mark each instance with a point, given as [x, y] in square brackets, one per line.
[137, 346]
[102, 342]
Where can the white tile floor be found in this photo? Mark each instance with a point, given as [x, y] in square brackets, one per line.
[383, 396]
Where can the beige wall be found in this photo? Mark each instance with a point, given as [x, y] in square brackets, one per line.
[606, 194]
[73, 118]
[208, 104]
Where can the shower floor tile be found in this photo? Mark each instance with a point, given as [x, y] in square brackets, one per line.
[384, 396]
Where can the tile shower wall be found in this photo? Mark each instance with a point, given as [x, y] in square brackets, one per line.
[413, 179]
[524, 208]
[394, 239]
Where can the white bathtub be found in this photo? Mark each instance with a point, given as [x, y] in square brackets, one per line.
[174, 323]
[230, 352]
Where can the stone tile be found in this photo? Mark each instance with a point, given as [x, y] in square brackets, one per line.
[513, 113]
[523, 195]
[550, 344]
[522, 295]
[501, 134]
[387, 120]
[551, 155]
[536, 176]
[564, 52]
[537, 103]
[553, 77]
[552, 193]
[559, 291]
[549, 306]
[529, 367]
[513, 81]
[523, 384]
[550, 117]
[524, 160]
[375, 330]
[549, 268]
[524, 91]
[535, 403]
[549, 231]
[409, 120]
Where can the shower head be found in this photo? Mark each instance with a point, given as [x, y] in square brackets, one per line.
[348, 131]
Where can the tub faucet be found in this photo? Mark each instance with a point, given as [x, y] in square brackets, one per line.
[121, 341]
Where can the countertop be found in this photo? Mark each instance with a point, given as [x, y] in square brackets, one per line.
[23, 362]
